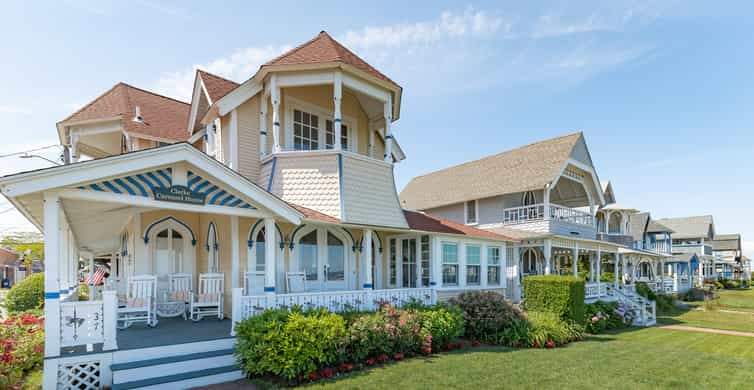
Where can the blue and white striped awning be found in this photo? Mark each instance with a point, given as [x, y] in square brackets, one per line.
[142, 184]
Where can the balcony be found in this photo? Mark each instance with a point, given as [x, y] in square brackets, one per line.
[550, 218]
[660, 247]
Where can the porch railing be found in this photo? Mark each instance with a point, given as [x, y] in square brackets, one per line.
[595, 290]
[89, 322]
[245, 306]
[536, 212]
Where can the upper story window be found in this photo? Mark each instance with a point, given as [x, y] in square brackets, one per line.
[471, 212]
[305, 130]
[330, 135]
[529, 198]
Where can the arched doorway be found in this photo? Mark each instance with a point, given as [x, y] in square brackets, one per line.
[530, 262]
[171, 247]
[323, 255]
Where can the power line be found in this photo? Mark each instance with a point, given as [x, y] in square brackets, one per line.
[29, 151]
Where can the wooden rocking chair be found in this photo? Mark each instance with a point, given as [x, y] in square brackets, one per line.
[295, 282]
[179, 289]
[140, 304]
[254, 283]
[209, 300]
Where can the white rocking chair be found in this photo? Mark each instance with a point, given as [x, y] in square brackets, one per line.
[209, 300]
[140, 304]
[254, 283]
[295, 282]
[179, 289]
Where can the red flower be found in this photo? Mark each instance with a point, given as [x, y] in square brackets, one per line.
[426, 350]
[345, 367]
[550, 344]
[313, 376]
[328, 372]
[7, 358]
[476, 343]
[39, 348]
[370, 362]
[382, 358]
[398, 356]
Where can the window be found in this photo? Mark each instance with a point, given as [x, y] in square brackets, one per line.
[259, 245]
[392, 265]
[305, 131]
[530, 260]
[529, 198]
[471, 212]
[212, 264]
[425, 260]
[473, 264]
[330, 135]
[336, 259]
[449, 264]
[307, 247]
[493, 266]
[408, 265]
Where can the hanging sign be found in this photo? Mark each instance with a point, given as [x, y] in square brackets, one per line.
[179, 194]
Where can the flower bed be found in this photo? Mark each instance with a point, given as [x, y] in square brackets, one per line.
[292, 346]
[601, 316]
[21, 348]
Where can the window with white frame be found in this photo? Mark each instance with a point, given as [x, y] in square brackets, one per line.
[449, 264]
[392, 265]
[473, 264]
[471, 212]
[260, 247]
[305, 131]
[493, 266]
[330, 135]
[529, 198]
[425, 254]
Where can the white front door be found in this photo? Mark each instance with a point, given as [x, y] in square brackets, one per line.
[171, 252]
[323, 257]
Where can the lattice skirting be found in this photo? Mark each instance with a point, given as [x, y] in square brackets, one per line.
[81, 375]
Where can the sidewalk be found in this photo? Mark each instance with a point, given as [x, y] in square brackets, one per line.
[707, 330]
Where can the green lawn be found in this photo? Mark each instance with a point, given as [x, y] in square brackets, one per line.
[737, 299]
[637, 359]
[743, 322]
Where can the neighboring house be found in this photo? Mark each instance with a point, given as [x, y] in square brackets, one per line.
[547, 195]
[727, 248]
[694, 236]
[276, 191]
[9, 261]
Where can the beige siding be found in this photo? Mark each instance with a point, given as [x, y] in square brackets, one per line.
[248, 139]
[201, 110]
[264, 175]
[310, 181]
[369, 195]
[223, 154]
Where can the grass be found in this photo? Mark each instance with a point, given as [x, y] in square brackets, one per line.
[742, 300]
[637, 359]
[719, 317]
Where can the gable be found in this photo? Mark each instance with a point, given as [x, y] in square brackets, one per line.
[580, 152]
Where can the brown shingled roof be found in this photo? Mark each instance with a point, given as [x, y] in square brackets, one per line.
[323, 49]
[433, 224]
[164, 117]
[216, 86]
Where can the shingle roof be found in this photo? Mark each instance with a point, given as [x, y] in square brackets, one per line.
[726, 242]
[324, 49]
[638, 224]
[656, 227]
[526, 168]
[689, 227]
[216, 86]
[164, 117]
[433, 224]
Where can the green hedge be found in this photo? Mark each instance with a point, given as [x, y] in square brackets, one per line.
[561, 295]
[28, 294]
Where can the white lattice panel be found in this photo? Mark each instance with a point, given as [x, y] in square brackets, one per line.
[80, 375]
[81, 323]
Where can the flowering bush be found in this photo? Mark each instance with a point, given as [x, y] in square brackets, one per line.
[486, 313]
[601, 316]
[386, 332]
[443, 325]
[21, 347]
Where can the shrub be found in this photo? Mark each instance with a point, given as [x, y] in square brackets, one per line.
[385, 333]
[601, 316]
[643, 289]
[444, 323]
[516, 334]
[694, 295]
[486, 313]
[290, 343]
[28, 294]
[562, 295]
[550, 330]
[744, 283]
[21, 347]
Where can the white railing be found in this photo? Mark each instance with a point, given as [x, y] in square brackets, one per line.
[657, 247]
[644, 310]
[536, 212]
[89, 322]
[245, 306]
[596, 290]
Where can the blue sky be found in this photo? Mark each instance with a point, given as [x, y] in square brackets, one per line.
[662, 90]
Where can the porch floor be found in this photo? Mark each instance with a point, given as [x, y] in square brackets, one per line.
[173, 331]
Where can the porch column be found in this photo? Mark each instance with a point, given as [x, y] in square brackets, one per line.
[599, 269]
[576, 260]
[435, 258]
[368, 260]
[615, 271]
[548, 255]
[591, 267]
[269, 255]
[624, 267]
[675, 277]
[546, 203]
[75, 147]
[235, 253]
[517, 280]
[701, 272]
[262, 128]
[275, 98]
[91, 276]
[388, 113]
[52, 269]
[337, 92]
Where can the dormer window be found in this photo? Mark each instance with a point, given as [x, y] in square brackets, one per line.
[472, 210]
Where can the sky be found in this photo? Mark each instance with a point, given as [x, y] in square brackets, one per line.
[663, 90]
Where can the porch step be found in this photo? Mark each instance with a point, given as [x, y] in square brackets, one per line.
[186, 380]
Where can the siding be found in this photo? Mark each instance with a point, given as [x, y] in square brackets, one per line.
[369, 195]
[309, 180]
[248, 139]
[581, 153]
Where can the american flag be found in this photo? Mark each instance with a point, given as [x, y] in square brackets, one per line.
[99, 274]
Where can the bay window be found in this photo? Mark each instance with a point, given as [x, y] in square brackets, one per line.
[449, 264]
[473, 264]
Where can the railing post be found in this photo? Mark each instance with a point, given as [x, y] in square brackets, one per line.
[110, 320]
[237, 315]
